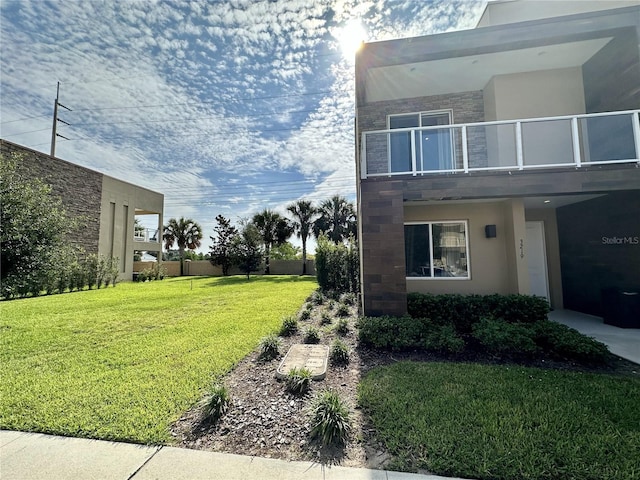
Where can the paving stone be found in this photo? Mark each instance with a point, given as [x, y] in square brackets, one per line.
[312, 357]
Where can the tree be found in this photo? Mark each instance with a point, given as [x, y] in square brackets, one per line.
[273, 229]
[303, 212]
[33, 233]
[337, 219]
[185, 232]
[247, 249]
[286, 251]
[221, 251]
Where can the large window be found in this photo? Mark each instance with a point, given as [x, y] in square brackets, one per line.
[436, 250]
[433, 148]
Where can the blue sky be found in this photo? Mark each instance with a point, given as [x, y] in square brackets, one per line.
[224, 107]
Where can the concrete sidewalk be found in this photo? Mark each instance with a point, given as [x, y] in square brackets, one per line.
[25, 456]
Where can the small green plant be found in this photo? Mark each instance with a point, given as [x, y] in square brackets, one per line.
[216, 404]
[325, 318]
[331, 305]
[330, 422]
[342, 327]
[348, 299]
[289, 326]
[298, 381]
[317, 298]
[312, 335]
[305, 315]
[269, 347]
[339, 353]
[343, 310]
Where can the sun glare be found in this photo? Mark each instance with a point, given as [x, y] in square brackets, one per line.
[351, 37]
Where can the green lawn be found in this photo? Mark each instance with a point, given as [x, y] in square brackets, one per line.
[124, 363]
[506, 422]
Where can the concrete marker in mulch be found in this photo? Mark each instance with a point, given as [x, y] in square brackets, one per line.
[312, 357]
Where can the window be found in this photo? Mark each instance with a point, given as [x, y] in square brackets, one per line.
[433, 148]
[436, 250]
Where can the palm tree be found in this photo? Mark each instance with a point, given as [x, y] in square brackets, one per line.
[337, 219]
[303, 212]
[185, 232]
[274, 230]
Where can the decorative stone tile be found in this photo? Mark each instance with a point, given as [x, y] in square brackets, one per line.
[312, 357]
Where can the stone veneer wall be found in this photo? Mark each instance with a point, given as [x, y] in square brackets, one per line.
[79, 188]
[384, 285]
[467, 107]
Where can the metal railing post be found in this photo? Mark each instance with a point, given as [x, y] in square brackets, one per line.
[465, 152]
[575, 138]
[519, 155]
[413, 152]
[635, 120]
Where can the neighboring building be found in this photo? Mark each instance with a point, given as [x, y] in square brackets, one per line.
[503, 159]
[108, 207]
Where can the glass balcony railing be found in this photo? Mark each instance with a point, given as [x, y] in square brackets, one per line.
[568, 141]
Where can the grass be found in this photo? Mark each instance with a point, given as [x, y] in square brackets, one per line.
[124, 363]
[499, 422]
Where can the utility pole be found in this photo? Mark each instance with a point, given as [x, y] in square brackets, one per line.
[54, 133]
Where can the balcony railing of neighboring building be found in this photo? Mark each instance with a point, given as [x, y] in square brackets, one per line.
[566, 141]
[146, 235]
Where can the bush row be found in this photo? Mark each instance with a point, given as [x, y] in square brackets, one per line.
[512, 326]
[463, 311]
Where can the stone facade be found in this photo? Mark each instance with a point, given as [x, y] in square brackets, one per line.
[466, 107]
[79, 189]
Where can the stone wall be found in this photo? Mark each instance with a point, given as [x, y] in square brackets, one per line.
[467, 107]
[79, 188]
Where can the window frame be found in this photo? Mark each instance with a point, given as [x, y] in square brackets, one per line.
[430, 223]
[419, 114]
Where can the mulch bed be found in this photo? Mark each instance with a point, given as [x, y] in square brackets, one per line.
[265, 420]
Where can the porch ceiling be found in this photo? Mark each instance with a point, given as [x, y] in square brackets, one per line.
[473, 72]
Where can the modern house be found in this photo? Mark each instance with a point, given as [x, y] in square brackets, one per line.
[107, 207]
[504, 158]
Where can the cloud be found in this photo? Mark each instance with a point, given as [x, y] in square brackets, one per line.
[225, 107]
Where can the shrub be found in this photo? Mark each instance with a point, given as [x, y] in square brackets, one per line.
[501, 337]
[269, 347]
[339, 353]
[464, 311]
[343, 310]
[337, 265]
[443, 338]
[325, 318]
[289, 326]
[216, 403]
[342, 327]
[565, 342]
[395, 333]
[312, 335]
[305, 315]
[298, 381]
[330, 422]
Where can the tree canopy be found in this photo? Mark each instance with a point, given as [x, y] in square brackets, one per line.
[303, 213]
[274, 229]
[185, 232]
[337, 219]
[33, 232]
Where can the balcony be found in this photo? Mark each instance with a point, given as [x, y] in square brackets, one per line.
[146, 235]
[573, 141]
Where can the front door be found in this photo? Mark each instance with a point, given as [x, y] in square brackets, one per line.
[537, 260]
